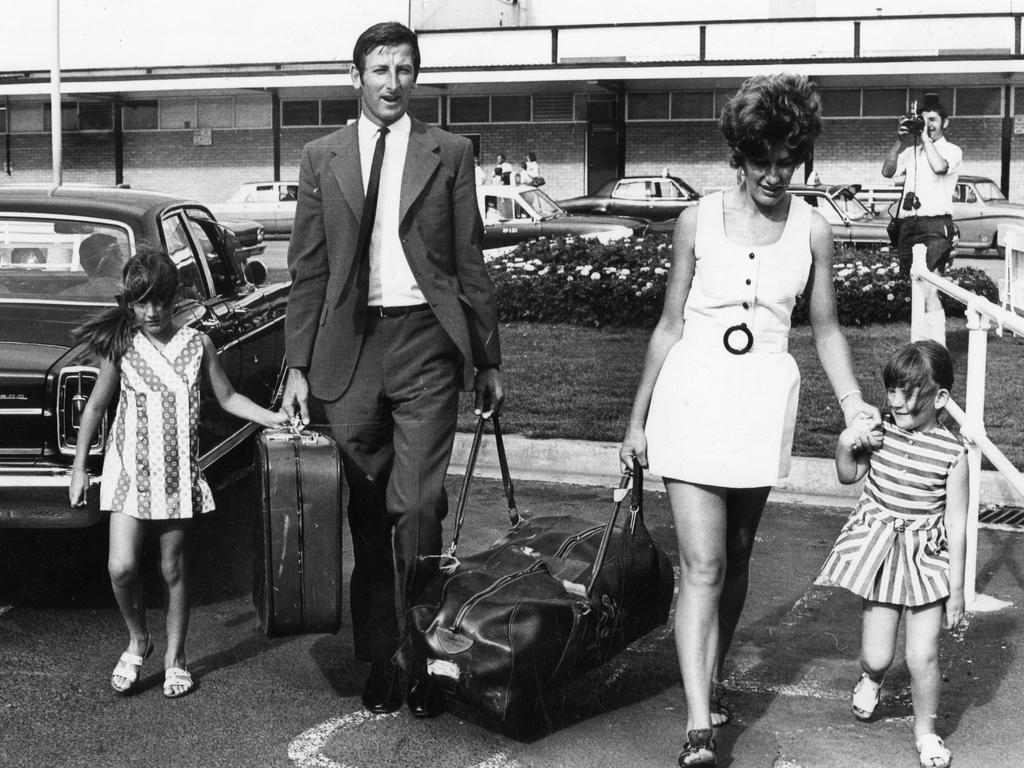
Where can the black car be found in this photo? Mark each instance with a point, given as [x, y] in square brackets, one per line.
[658, 198]
[45, 292]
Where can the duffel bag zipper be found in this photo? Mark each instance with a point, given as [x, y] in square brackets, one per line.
[489, 590]
[572, 541]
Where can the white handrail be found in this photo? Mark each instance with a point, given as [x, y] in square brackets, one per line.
[981, 313]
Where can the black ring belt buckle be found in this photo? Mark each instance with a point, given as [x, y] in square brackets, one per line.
[727, 336]
[398, 311]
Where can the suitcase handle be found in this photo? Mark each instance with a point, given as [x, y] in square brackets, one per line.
[506, 480]
[292, 432]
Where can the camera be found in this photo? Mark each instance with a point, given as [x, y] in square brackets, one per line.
[912, 121]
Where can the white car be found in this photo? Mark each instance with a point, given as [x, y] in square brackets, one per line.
[271, 203]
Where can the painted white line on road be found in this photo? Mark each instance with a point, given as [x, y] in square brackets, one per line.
[306, 750]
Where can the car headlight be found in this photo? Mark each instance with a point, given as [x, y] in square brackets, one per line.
[74, 385]
[606, 236]
[259, 234]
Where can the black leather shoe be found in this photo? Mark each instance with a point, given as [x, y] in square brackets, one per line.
[425, 699]
[382, 692]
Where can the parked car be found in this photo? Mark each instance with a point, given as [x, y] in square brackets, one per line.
[658, 198]
[515, 214]
[45, 378]
[850, 220]
[271, 203]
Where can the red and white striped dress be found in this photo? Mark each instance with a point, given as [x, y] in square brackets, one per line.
[893, 548]
[151, 468]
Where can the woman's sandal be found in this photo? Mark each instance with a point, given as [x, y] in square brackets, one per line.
[177, 682]
[932, 752]
[699, 749]
[721, 714]
[129, 668]
[866, 694]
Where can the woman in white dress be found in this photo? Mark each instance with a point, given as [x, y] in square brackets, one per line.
[717, 399]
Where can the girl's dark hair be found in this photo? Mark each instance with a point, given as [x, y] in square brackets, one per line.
[922, 366]
[769, 112]
[149, 275]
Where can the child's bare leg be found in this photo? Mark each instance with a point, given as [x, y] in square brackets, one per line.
[924, 624]
[700, 523]
[173, 567]
[125, 552]
[879, 624]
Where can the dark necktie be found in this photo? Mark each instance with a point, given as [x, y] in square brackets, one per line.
[366, 223]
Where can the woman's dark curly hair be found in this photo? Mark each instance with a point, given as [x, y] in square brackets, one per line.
[769, 112]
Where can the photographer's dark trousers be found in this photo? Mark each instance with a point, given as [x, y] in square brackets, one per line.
[935, 232]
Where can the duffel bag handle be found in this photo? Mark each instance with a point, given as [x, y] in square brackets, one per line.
[634, 478]
[506, 480]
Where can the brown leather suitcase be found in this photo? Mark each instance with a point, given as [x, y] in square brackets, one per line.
[297, 564]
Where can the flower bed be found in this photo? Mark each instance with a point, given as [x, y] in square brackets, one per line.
[569, 280]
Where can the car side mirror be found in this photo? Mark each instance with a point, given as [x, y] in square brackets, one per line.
[255, 272]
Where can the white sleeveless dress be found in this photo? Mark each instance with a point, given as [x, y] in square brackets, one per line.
[151, 467]
[724, 419]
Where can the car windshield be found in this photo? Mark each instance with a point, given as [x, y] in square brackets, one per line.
[543, 206]
[59, 258]
[987, 190]
[846, 201]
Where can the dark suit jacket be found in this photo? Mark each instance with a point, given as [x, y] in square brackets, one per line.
[440, 230]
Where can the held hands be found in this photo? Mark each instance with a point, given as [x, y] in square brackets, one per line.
[634, 444]
[295, 398]
[490, 394]
[864, 434]
[854, 406]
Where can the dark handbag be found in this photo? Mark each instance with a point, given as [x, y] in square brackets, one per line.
[893, 230]
[553, 598]
[537, 181]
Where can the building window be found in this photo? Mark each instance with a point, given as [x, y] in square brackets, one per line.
[469, 109]
[426, 109]
[141, 115]
[978, 101]
[648, 106]
[215, 113]
[337, 112]
[253, 112]
[95, 116]
[696, 105]
[300, 113]
[841, 103]
[510, 109]
[26, 118]
[176, 114]
[596, 107]
[884, 102]
[3, 119]
[552, 107]
[68, 116]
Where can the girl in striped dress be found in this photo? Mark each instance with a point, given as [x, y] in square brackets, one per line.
[151, 474]
[903, 548]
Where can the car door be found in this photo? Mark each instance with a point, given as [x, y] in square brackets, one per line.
[262, 204]
[631, 197]
[507, 222]
[841, 229]
[667, 201]
[969, 214]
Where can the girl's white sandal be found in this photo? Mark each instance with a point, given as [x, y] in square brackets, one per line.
[932, 751]
[177, 678]
[866, 694]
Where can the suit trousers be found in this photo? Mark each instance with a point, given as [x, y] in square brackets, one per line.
[395, 425]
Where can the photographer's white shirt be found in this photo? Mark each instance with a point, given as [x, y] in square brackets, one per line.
[935, 191]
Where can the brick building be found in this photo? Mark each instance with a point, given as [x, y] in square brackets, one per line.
[593, 101]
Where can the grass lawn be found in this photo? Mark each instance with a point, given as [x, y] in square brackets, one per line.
[578, 383]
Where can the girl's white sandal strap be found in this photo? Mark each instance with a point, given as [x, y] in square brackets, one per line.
[932, 751]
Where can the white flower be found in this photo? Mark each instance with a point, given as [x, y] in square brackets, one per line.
[659, 271]
[865, 289]
[889, 297]
[595, 275]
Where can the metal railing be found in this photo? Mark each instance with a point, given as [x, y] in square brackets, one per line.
[982, 315]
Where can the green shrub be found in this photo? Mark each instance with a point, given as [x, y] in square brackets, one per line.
[571, 280]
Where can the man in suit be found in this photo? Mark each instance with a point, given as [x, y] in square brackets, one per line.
[391, 313]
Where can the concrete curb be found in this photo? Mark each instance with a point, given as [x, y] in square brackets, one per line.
[579, 462]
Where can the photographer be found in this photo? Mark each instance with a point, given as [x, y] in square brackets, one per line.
[931, 165]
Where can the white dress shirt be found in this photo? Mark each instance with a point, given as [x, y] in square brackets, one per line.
[391, 281]
[935, 191]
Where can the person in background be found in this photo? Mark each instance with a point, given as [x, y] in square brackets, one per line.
[716, 404]
[930, 165]
[505, 167]
[479, 173]
[101, 259]
[533, 168]
[390, 314]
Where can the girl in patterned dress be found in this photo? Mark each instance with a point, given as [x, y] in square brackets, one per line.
[151, 474]
[904, 547]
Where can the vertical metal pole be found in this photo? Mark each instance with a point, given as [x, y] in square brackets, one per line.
[974, 411]
[56, 118]
[919, 264]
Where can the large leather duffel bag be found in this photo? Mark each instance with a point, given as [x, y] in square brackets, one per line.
[553, 598]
